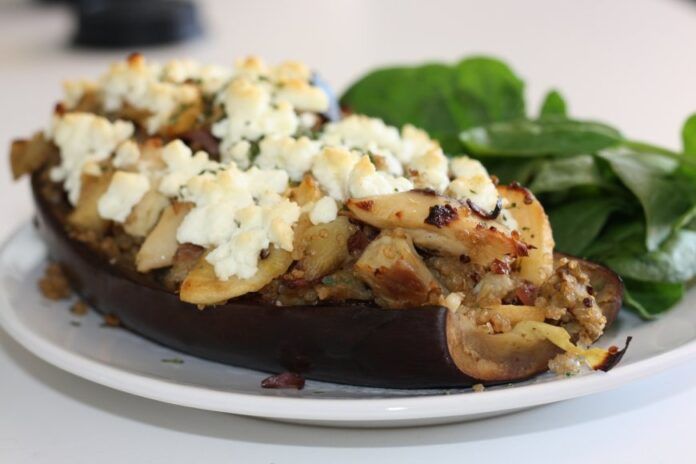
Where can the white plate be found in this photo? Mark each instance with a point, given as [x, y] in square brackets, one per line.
[124, 361]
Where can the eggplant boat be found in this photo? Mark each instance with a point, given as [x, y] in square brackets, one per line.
[232, 214]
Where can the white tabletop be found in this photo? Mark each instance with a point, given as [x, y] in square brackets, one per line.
[629, 62]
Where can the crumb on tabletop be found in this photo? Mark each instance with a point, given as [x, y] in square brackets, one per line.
[79, 308]
[54, 285]
[478, 387]
[111, 320]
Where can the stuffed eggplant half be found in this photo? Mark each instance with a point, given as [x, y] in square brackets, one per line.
[233, 214]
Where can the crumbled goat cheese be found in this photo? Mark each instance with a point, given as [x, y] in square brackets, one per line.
[260, 226]
[362, 133]
[308, 120]
[83, 139]
[430, 170]
[291, 70]
[137, 83]
[182, 165]
[478, 188]
[251, 66]
[251, 114]
[73, 91]
[127, 154]
[323, 211]
[373, 135]
[238, 154]
[463, 166]
[366, 181]
[125, 191]
[261, 101]
[415, 143]
[211, 78]
[303, 96]
[471, 181]
[226, 217]
[292, 155]
[453, 301]
[332, 170]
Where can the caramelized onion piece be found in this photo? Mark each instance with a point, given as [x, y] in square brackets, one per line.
[534, 230]
[437, 223]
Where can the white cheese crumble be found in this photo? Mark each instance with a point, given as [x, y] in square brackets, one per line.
[472, 182]
[323, 211]
[125, 191]
[373, 135]
[73, 91]
[303, 96]
[261, 101]
[366, 181]
[238, 214]
[251, 114]
[453, 301]
[84, 139]
[137, 83]
[211, 78]
[127, 154]
[430, 170]
[260, 226]
[292, 155]
[182, 165]
[332, 169]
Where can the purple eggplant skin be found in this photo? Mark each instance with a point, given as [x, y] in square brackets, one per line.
[356, 344]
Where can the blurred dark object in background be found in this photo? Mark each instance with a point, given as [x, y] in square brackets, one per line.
[134, 23]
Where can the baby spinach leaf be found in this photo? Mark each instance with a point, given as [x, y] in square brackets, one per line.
[577, 224]
[486, 90]
[649, 299]
[513, 169]
[553, 105]
[673, 262]
[689, 142]
[622, 235]
[441, 99]
[418, 95]
[689, 136]
[549, 136]
[663, 197]
[563, 173]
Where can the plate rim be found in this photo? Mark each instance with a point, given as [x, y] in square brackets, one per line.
[324, 409]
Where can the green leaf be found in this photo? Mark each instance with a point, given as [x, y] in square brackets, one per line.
[439, 98]
[487, 90]
[689, 136]
[621, 236]
[420, 95]
[649, 299]
[689, 142]
[551, 136]
[553, 105]
[664, 197]
[577, 224]
[564, 173]
[509, 170]
[673, 262]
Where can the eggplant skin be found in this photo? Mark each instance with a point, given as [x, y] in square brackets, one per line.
[356, 344]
